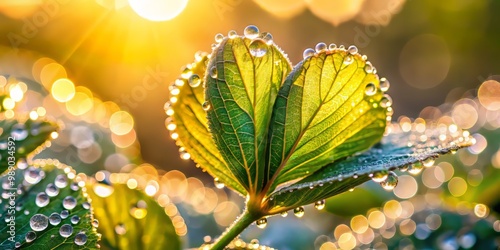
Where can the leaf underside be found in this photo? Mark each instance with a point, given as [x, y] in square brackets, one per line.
[26, 207]
[396, 150]
[192, 127]
[241, 90]
[129, 219]
[323, 114]
[38, 132]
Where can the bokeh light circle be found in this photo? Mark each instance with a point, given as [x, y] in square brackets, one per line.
[63, 90]
[158, 10]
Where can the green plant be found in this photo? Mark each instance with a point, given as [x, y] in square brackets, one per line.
[280, 136]
[285, 137]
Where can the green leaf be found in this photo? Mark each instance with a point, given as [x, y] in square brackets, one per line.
[243, 78]
[330, 107]
[19, 139]
[399, 149]
[31, 186]
[129, 219]
[189, 121]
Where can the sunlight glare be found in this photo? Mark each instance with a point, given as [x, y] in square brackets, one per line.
[158, 10]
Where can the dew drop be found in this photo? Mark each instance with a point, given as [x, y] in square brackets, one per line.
[22, 164]
[194, 81]
[332, 46]
[379, 176]
[369, 68]
[251, 32]
[348, 59]
[213, 72]
[268, 38]
[218, 38]
[120, 229]
[95, 223]
[261, 223]
[258, 48]
[61, 181]
[370, 89]
[74, 186]
[33, 175]
[69, 202]
[186, 73]
[308, 53]
[80, 239]
[54, 219]
[66, 230]
[298, 211]
[42, 199]
[39, 222]
[391, 182]
[86, 205]
[206, 106]
[429, 162]
[320, 204]
[232, 34]
[218, 184]
[320, 47]
[64, 214]
[75, 219]
[384, 84]
[284, 214]
[51, 190]
[30, 236]
[386, 101]
[17, 244]
[19, 132]
[352, 50]
[415, 168]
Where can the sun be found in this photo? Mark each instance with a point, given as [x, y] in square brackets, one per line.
[158, 10]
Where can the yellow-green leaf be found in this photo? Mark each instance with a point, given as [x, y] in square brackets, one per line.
[398, 150]
[129, 219]
[243, 78]
[330, 107]
[189, 123]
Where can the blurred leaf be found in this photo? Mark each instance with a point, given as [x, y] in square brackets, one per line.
[192, 126]
[330, 107]
[243, 79]
[18, 139]
[399, 149]
[129, 219]
[42, 195]
[365, 200]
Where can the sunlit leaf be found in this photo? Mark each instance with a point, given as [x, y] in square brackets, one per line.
[130, 219]
[398, 150]
[48, 208]
[190, 123]
[330, 107]
[18, 139]
[243, 79]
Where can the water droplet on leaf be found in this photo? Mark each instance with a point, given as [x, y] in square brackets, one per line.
[370, 89]
[320, 47]
[219, 37]
[379, 176]
[206, 106]
[384, 84]
[69, 202]
[30, 236]
[258, 48]
[39, 222]
[218, 184]
[194, 81]
[298, 211]
[213, 72]
[391, 182]
[66, 230]
[320, 204]
[307, 53]
[80, 239]
[42, 199]
[54, 219]
[251, 32]
[352, 49]
[261, 223]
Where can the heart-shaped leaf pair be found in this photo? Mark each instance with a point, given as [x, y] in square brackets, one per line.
[285, 138]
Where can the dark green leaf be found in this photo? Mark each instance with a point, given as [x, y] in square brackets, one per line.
[243, 78]
[396, 150]
[330, 107]
[190, 123]
[31, 186]
[129, 219]
[18, 139]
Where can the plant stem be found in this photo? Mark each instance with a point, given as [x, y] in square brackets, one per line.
[234, 230]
